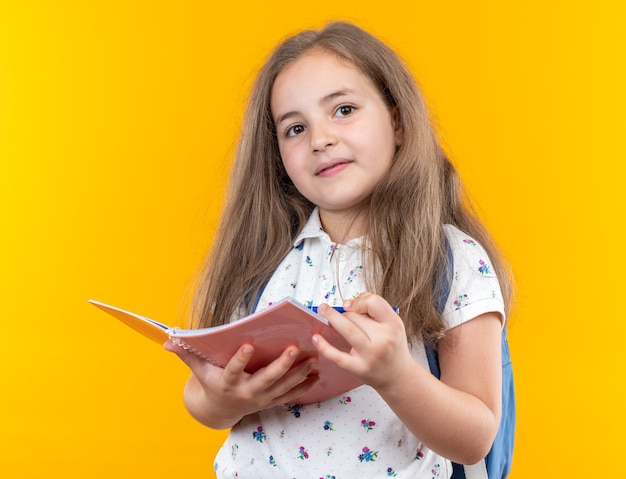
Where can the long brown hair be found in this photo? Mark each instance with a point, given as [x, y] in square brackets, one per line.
[264, 212]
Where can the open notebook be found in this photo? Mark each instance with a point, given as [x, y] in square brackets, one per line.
[284, 323]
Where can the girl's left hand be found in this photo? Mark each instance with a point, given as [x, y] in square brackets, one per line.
[377, 335]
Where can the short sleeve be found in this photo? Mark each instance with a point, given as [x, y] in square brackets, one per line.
[475, 289]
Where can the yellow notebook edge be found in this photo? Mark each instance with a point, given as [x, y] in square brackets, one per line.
[157, 332]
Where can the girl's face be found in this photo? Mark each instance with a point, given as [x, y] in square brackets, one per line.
[336, 135]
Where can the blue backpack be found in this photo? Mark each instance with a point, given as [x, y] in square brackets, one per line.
[497, 463]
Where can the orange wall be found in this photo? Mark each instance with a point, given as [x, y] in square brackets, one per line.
[117, 120]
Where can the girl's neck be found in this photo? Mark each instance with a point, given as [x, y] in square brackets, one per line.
[342, 227]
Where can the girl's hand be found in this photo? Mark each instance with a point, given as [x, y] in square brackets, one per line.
[377, 336]
[457, 416]
[220, 397]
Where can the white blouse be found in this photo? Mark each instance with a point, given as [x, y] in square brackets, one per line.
[355, 435]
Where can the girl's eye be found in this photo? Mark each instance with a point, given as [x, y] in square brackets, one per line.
[294, 130]
[344, 110]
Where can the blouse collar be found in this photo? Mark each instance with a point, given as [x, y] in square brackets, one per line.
[313, 229]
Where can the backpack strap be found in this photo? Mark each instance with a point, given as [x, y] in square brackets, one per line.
[500, 457]
[458, 470]
[497, 463]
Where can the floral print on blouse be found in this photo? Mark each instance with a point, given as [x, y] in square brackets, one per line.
[356, 434]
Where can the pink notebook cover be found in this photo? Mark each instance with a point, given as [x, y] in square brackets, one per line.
[285, 323]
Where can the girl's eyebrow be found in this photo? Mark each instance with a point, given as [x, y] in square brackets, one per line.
[323, 101]
[331, 96]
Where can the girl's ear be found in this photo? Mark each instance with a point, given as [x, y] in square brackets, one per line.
[397, 126]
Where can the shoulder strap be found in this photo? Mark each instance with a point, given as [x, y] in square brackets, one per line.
[497, 464]
[458, 470]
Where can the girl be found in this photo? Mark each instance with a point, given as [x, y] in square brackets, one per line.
[341, 195]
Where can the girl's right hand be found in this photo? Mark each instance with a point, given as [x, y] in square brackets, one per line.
[220, 397]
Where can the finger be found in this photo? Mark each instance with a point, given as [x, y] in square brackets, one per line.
[299, 390]
[371, 305]
[294, 377]
[376, 318]
[351, 326]
[330, 352]
[265, 377]
[237, 364]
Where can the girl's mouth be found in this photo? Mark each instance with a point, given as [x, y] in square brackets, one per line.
[332, 168]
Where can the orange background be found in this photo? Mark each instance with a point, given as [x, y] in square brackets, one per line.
[117, 124]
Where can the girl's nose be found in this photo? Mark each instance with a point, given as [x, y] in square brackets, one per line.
[322, 137]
